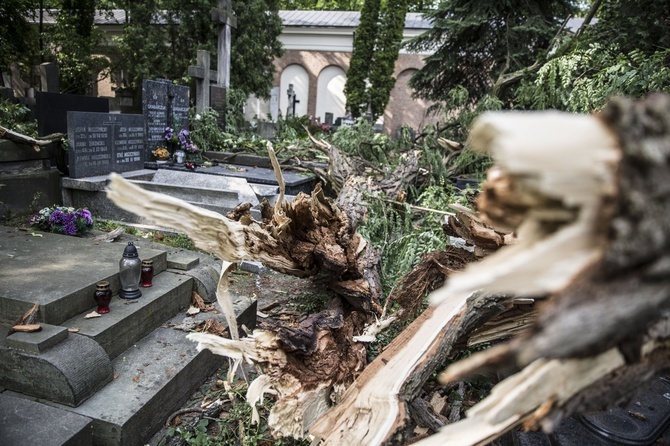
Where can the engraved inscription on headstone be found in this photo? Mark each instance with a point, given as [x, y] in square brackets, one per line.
[155, 107]
[179, 103]
[101, 143]
[217, 100]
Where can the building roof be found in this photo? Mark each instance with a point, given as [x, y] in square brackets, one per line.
[341, 19]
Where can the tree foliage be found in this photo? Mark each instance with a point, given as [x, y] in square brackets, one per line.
[475, 43]
[389, 40]
[355, 88]
[376, 47]
[72, 44]
[18, 40]
[161, 39]
[626, 52]
[255, 46]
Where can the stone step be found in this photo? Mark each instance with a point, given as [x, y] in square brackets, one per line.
[130, 320]
[152, 379]
[30, 360]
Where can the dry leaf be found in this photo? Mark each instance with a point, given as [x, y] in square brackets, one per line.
[192, 310]
[116, 375]
[36, 235]
[73, 330]
[92, 314]
[197, 301]
[438, 402]
[136, 379]
[30, 328]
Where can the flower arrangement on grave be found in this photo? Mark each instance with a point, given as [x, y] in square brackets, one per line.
[191, 148]
[63, 220]
[161, 153]
[181, 137]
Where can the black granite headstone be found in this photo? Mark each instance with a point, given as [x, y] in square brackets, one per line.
[155, 107]
[217, 100]
[101, 143]
[179, 106]
[52, 108]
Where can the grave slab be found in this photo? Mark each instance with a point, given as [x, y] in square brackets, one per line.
[211, 182]
[155, 377]
[294, 181]
[58, 272]
[24, 422]
[131, 320]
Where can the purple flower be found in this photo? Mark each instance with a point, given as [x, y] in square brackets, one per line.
[69, 228]
[56, 217]
[183, 135]
[86, 215]
[168, 133]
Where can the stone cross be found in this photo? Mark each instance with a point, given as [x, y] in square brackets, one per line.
[203, 76]
[225, 18]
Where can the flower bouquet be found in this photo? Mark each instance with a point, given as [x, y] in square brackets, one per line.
[63, 220]
[161, 154]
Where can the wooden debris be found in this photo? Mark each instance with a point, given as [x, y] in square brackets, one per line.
[426, 276]
[36, 143]
[192, 310]
[586, 231]
[111, 235]
[29, 328]
[27, 318]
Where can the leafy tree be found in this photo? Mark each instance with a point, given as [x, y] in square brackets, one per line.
[162, 39]
[72, 43]
[629, 25]
[255, 45]
[355, 88]
[18, 40]
[482, 45]
[376, 47]
[625, 52]
[386, 53]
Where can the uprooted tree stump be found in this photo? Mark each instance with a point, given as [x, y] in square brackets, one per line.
[309, 365]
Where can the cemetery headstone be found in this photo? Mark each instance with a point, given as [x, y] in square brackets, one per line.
[217, 100]
[7, 93]
[100, 143]
[49, 80]
[179, 106]
[155, 107]
[52, 108]
[164, 105]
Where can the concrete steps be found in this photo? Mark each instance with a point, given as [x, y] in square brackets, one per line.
[120, 375]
